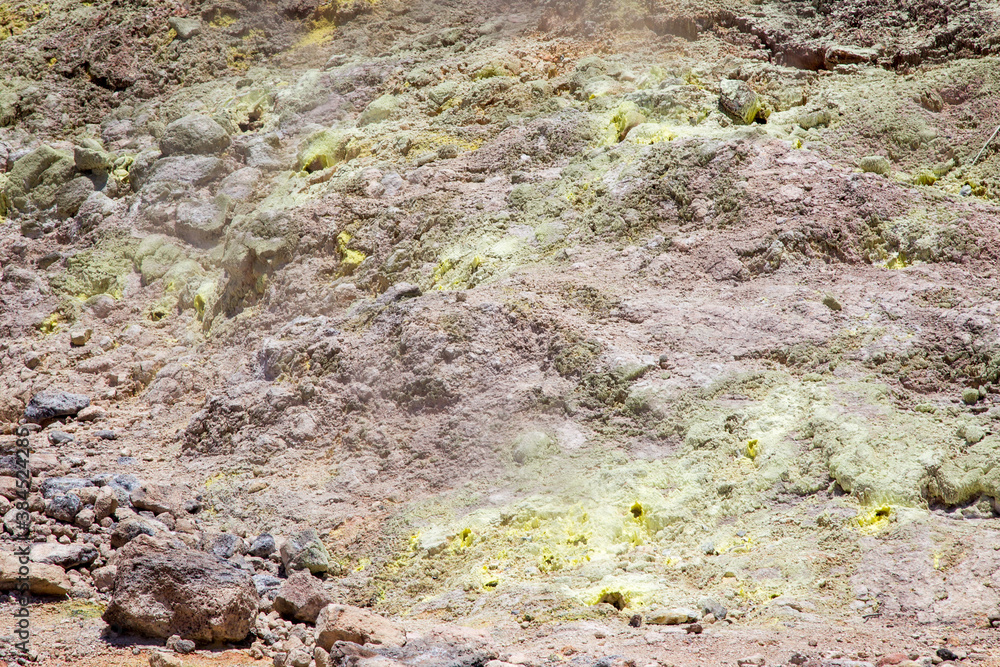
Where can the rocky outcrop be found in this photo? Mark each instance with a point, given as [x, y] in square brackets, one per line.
[46, 406]
[163, 589]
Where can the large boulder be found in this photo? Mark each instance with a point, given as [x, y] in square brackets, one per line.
[194, 135]
[344, 623]
[43, 578]
[305, 551]
[163, 589]
[49, 405]
[301, 597]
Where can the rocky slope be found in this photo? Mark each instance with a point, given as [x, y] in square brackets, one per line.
[554, 331]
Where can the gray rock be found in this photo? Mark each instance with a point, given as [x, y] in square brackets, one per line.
[201, 222]
[64, 508]
[64, 555]
[105, 434]
[263, 546]
[15, 521]
[48, 405]
[223, 545]
[178, 645]
[194, 135]
[875, 164]
[54, 486]
[71, 195]
[305, 551]
[267, 585]
[186, 28]
[713, 607]
[59, 438]
[128, 530]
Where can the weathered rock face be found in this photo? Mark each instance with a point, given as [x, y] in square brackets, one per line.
[338, 622]
[302, 597]
[47, 405]
[163, 589]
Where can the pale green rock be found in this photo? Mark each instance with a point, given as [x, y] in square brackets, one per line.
[378, 110]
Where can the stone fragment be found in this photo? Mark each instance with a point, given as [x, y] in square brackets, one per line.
[166, 589]
[305, 551]
[65, 556]
[739, 99]
[186, 28]
[194, 135]
[64, 507]
[263, 546]
[182, 646]
[671, 617]
[48, 405]
[128, 530]
[339, 622]
[43, 578]
[301, 597]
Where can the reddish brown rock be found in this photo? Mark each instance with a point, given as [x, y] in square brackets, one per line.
[302, 597]
[163, 589]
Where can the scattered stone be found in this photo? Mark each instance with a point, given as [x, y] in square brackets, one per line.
[756, 660]
[104, 577]
[739, 99]
[263, 546]
[671, 617]
[970, 395]
[159, 498]
[875, 164]
[164, 589]
[60, 438]
[224, 545]
[46, 406]
[831, 302]
[994, 618]
[71, 195]
[966, 190]
[694, 629]
[43, 579]
[164, 659]
[302, 597]
[65, 556]
[798, 658]
[64, 508]
[891, 659]
[194, 135]
[305, 551]
[635, 621]
[128, 530]
[92, 413]
[267, 585]
[178, 645]
[105, 434]
[946, 653]
[105, 504]
[713, 607]
[339, 622]
[186, 28]
[54, 486]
